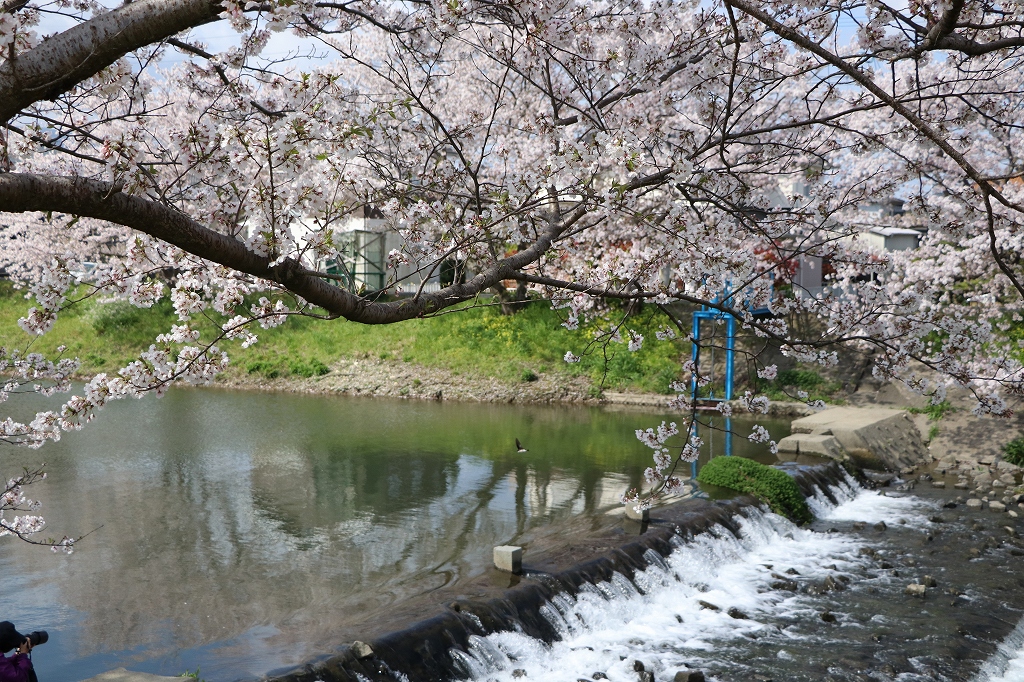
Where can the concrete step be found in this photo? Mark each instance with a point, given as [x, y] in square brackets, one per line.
[873, 437]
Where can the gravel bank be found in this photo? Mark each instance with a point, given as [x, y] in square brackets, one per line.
[372, 377]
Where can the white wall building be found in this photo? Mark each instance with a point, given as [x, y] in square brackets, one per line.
[365, 240]
[891, 238]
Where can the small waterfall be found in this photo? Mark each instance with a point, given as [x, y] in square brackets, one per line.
[1007, 663]
[706, 593]
[690, 595]
[710, 588]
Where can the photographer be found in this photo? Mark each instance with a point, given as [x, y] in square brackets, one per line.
[17, 668]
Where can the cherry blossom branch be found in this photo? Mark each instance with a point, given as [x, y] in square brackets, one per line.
[103, 200]
[17, 517]
[869, 84]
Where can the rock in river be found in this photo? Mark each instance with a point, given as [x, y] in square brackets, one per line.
[689, 676]
[915, 590]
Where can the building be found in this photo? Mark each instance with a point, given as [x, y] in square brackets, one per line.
[364, 241]
[891, 238]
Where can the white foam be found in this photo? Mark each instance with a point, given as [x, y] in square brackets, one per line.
[608, 626]
[1007, 663]
[857, 504]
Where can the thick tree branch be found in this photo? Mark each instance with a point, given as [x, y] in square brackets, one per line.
[20, 192]
[66, 59]
[944, 26]
[964, 45]
[12, 6]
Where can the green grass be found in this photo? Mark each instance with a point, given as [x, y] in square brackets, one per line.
[479, 341]
[1014, 451]
[935, 411]
[773, 487]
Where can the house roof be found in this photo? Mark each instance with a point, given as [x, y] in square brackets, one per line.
[893, 231]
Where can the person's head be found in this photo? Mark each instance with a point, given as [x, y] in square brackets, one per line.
[9, 637]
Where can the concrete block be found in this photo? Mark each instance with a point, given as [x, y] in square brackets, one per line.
[508, 558]
[800, 445]
[873, 438]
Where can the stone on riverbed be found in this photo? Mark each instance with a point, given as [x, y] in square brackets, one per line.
[361, 650]
[996, 506]
[689, 676]
[915, 590]
[880, 477]
[974, 503]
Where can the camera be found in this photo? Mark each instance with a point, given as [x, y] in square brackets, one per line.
[38, 637]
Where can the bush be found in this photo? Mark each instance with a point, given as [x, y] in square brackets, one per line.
[308, 369]
[800, 378]
[529, 375]
[768, 484]
[263, 367]
[115, 316]
[791, 380]
[1015, 451]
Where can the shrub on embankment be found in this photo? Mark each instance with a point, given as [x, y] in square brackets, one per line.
[773, 487]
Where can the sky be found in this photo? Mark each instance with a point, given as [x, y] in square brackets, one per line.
[219, 36]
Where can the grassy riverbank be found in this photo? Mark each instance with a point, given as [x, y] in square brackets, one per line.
[478, 342]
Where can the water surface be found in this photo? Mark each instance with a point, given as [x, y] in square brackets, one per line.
[239, 532]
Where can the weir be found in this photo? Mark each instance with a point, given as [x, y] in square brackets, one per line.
[731, 591]
[437, 648]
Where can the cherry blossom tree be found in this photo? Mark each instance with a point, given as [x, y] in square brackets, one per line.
[661, 153]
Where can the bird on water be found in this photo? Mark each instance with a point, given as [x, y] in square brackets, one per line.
[519, 447]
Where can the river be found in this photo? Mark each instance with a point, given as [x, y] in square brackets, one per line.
[241, 532]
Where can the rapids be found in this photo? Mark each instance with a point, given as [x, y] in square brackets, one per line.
[779, 602]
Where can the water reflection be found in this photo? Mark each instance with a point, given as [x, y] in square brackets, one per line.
[241, 532]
